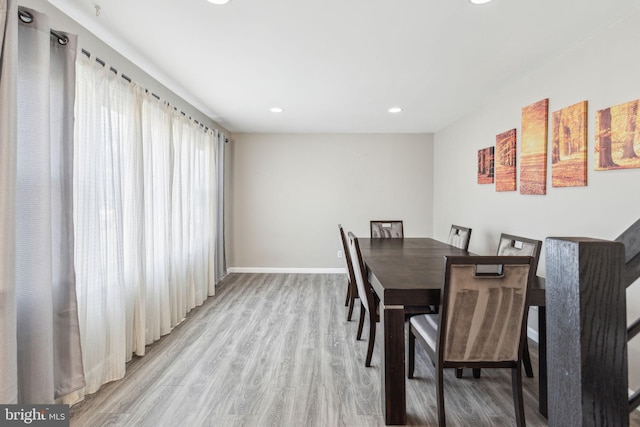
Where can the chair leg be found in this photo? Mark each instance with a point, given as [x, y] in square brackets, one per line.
[353, 294]
[348, 297]
[526, 360]
[440, 393]
[372, 339]
[350, 301]
[361, 321]
[411, 365]
[518, 402]
[476, 372]
[350, 312]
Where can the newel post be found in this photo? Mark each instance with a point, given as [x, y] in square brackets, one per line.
[586, 333]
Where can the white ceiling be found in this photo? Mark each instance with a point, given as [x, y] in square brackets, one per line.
[338, 65]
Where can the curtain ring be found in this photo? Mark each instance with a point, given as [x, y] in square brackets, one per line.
[25, 16]
[62, 39]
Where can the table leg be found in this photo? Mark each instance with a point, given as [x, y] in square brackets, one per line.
[393, 390]
[542, 360]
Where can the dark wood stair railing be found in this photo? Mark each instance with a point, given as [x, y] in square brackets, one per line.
[631, 241]
[585, 299]
[634, 400]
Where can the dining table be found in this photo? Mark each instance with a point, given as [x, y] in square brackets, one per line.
[407, 276]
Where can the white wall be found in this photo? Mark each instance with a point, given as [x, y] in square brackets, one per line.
[603, 71]
[287, 193]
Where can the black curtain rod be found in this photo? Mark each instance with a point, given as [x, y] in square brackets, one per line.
[104, 64]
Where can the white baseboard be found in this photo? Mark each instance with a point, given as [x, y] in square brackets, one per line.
[532, 334]
[286, 270]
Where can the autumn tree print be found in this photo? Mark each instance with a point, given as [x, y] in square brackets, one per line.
[533, 157]
[506, 161]
[486, 165]
[569, 146]
[617, 137]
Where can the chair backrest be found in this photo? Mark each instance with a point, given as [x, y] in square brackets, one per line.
[459, 237]
[386, 229]
[483, 315]
[347, 255]
[360, 273]
[516, 245]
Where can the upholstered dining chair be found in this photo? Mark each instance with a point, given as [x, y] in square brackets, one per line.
[481, 324]
[516, 245]
[352, 289]
[459, 237]
[510, 245]
[386, 229]
[520, 246]
[369, 301]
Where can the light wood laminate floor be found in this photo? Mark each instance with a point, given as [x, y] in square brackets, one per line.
[276, 350]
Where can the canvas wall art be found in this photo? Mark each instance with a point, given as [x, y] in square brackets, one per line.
[569, 146]
[486, 165]
[533, 148]
[505, 164]
[617, 144]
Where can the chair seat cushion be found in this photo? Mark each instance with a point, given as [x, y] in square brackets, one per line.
[426, 326]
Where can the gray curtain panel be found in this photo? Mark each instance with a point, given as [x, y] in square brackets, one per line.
[8, 100]
[47, 343]
[221, 260]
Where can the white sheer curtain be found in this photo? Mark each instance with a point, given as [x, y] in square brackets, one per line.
[145, 204]
[192, 216]
[105, 114]
[156, 160]
[40, 351]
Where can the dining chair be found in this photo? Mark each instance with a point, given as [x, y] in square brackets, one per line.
[369, 301]
[481, 324]
[522, 246]
[516, 245]
[459, 237]
[386, 229]
[510, 245]
[352, 290]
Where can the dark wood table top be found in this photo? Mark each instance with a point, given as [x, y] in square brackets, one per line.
[409, 271]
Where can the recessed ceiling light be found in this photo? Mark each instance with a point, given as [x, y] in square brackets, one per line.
[472, 1]
[395, 110]
[218, 1]
[276, 110]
